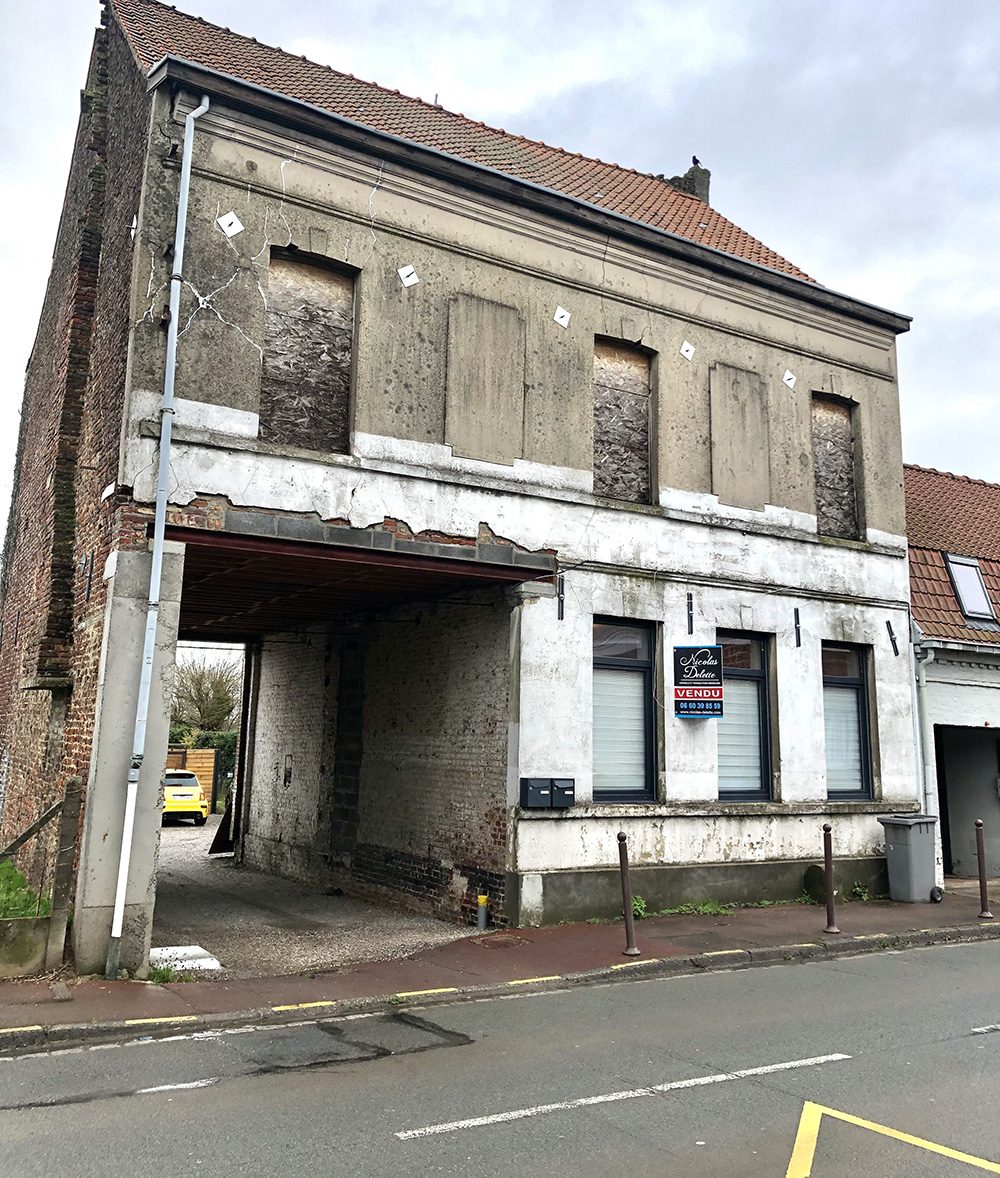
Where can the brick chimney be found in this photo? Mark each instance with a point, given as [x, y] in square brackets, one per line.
[694, 182]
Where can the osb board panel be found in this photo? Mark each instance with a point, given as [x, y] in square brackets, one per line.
[484, 415]
[198, 761]
[306, 378]
[621, 422]
[741, 475]
[833, 462]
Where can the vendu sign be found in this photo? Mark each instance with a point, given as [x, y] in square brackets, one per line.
[697, 682]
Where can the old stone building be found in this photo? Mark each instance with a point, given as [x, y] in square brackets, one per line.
[953, 524]
[470, 437]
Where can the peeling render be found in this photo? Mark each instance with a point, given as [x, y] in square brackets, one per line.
[576, 530]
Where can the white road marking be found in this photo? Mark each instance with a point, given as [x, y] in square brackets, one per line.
[986, 1030]
[176, 1087]
[612, 1097]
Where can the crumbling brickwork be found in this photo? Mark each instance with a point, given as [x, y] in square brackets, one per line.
[288, 831]
[432, 807]
[60, 531]
[305, 388]
[833, 458]
[621, 422]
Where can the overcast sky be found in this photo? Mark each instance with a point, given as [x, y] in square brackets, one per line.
[860, 139]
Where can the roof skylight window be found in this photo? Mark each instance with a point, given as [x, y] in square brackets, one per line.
[970, 589]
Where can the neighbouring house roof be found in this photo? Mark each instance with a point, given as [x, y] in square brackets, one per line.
[155, 30]
[949, 513]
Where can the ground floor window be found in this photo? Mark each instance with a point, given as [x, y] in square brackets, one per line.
[846, 721]
[623, 711]
[745, 726]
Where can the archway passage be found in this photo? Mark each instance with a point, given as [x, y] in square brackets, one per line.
[371, 763]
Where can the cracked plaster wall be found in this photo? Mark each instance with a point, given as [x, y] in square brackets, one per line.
[375, 219]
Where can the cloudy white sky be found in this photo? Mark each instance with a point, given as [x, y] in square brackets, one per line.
[860, 139]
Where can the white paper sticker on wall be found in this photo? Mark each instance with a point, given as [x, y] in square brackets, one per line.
[230, 224]
[687, 350]
[408, 276]
[789, 379]
[562, 316]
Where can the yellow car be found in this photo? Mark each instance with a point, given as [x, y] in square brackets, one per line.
[184, 797]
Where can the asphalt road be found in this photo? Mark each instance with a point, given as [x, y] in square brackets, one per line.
[675, 1076]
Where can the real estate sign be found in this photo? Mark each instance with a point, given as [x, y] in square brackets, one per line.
[697, 682]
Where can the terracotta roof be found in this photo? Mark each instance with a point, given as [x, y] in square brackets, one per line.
[156, 30]
[951, 513]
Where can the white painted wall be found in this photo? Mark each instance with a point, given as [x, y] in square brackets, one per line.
[964, 693]
[554, 735]
[647, 560]
[573, 523]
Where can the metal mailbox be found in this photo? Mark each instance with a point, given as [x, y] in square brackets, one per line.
[536, 793]
[563, 792]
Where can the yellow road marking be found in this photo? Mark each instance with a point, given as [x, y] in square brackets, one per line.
[18, 1030]
[631, 964]
[305, 1005]
[166, 1018]
[552, 977]
[421, 993]
[804, 1150]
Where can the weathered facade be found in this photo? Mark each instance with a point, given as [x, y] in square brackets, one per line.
[953, 524]
[463, 448]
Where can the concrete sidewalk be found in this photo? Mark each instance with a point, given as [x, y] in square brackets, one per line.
[39, 1011]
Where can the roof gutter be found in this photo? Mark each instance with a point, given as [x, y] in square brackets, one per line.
[932, 644]
[295, 113]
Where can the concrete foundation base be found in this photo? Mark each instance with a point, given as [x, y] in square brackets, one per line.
[92, 933]
[548, 898]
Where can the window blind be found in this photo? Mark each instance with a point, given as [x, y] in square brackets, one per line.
[619, 731]
[842, 724]
[739, 738]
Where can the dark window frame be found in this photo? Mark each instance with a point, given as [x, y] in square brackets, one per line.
[646, 668]
[951, 558]
[863, 699]
[763, 679]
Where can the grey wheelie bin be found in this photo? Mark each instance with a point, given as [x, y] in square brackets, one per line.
[909, 853]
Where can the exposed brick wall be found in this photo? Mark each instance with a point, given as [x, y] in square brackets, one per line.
[288, 830]
[432, 805]
[59, 532]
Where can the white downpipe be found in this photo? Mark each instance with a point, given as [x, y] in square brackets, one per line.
[929, 760]
[159, 530]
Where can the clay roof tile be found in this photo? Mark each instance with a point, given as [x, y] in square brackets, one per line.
[155, 30]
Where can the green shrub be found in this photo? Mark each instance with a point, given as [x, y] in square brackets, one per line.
[639, 909]
[16, 898]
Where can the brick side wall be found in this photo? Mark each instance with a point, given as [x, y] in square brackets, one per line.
[59, 531]
[432, 805]
[288, 831]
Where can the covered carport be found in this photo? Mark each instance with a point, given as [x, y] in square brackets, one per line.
[372, 752]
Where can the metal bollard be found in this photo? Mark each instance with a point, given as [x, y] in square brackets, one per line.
[481, 912]
[831, 915]
[984, 900]
[631, 949]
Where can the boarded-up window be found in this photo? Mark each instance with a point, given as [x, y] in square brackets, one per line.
[306, 379]
[484, 417]
[833, 462]
[621, 422]
[741, 446]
